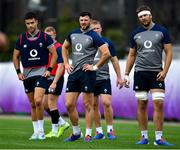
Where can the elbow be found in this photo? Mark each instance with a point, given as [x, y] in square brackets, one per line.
[108, 55]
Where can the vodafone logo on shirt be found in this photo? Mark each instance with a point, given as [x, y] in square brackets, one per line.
[33, 54]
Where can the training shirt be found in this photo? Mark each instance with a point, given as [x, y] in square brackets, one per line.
[103, 72]
[84, 47]
[59, 60]
[34, 52]
[149, 44]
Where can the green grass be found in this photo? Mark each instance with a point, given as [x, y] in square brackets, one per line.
[15, 131]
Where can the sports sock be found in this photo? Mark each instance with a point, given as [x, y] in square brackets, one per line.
[158, 134]
[99, 130]
[35, 126]
[76, 130]
[55, 128]
[88, 132]
[54, 116]
[61, 121]
[109, 128]
[144, 133]
[41, 125]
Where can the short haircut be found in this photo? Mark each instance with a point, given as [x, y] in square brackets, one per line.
[30, 15]
[95, 22]
[49, 29]
[82, 14]
[143, 7]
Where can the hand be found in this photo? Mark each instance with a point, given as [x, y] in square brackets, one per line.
[46, 74]
[161, 76]
[69, 68]
[52, 88]
[87, 67]
[126, 81]
[119, 83]
[21, 76]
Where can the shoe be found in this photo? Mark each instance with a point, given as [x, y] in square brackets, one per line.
[34, 136]
[143, 141]
[63, 128]
[99, 136]
[162, 142]
[88, 138]
[41, 136]
[111, 135]
[51, 135]
[73, 138]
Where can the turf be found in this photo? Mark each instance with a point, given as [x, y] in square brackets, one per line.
[15, 131]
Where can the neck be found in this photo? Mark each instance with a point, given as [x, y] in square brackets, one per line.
[34, 33]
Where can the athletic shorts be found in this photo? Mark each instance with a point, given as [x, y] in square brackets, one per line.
[37, 81]
[81, 81]
[102, 87]
[146, 80]
[59, 86]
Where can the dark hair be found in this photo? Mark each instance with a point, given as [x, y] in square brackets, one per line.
[82, 14]
[143, 7]
[30, 15]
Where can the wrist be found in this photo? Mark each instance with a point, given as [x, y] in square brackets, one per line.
[18, 71]
[49, 69]
[95, 67]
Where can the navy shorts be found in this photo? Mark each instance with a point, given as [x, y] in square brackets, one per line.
[59, 86]
[81, 81]
[102, 87]
[37, 81]
[146, 80]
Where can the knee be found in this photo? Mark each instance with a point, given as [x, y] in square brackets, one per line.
[33, 105]
[107, 104]
[158, 105]
[70, 106]
[87, 106]
[38, 101]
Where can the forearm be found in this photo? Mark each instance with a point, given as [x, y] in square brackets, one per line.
[116, 67]
[65, 56]
[167, 62]
[59, 72]
[129, 64]
[53, 60]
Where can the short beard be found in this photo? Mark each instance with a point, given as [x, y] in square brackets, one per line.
[147, 25]
[84, 29]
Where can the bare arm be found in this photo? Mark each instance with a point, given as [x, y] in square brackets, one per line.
[129, 64]
[54, 57]
[116, 66]
[168, 59]
[16, 62]
[65, 55]
[53, 52]
[130, 60]
[58, 75]
[105, 54]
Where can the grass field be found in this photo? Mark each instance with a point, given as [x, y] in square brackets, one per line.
[15, 131]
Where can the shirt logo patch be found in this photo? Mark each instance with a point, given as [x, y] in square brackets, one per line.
[105, 90]
[40, 44]
[37, 83]
[136, 87]
[160, 84]
[25, 46]
[147, 44]
[85, 88]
